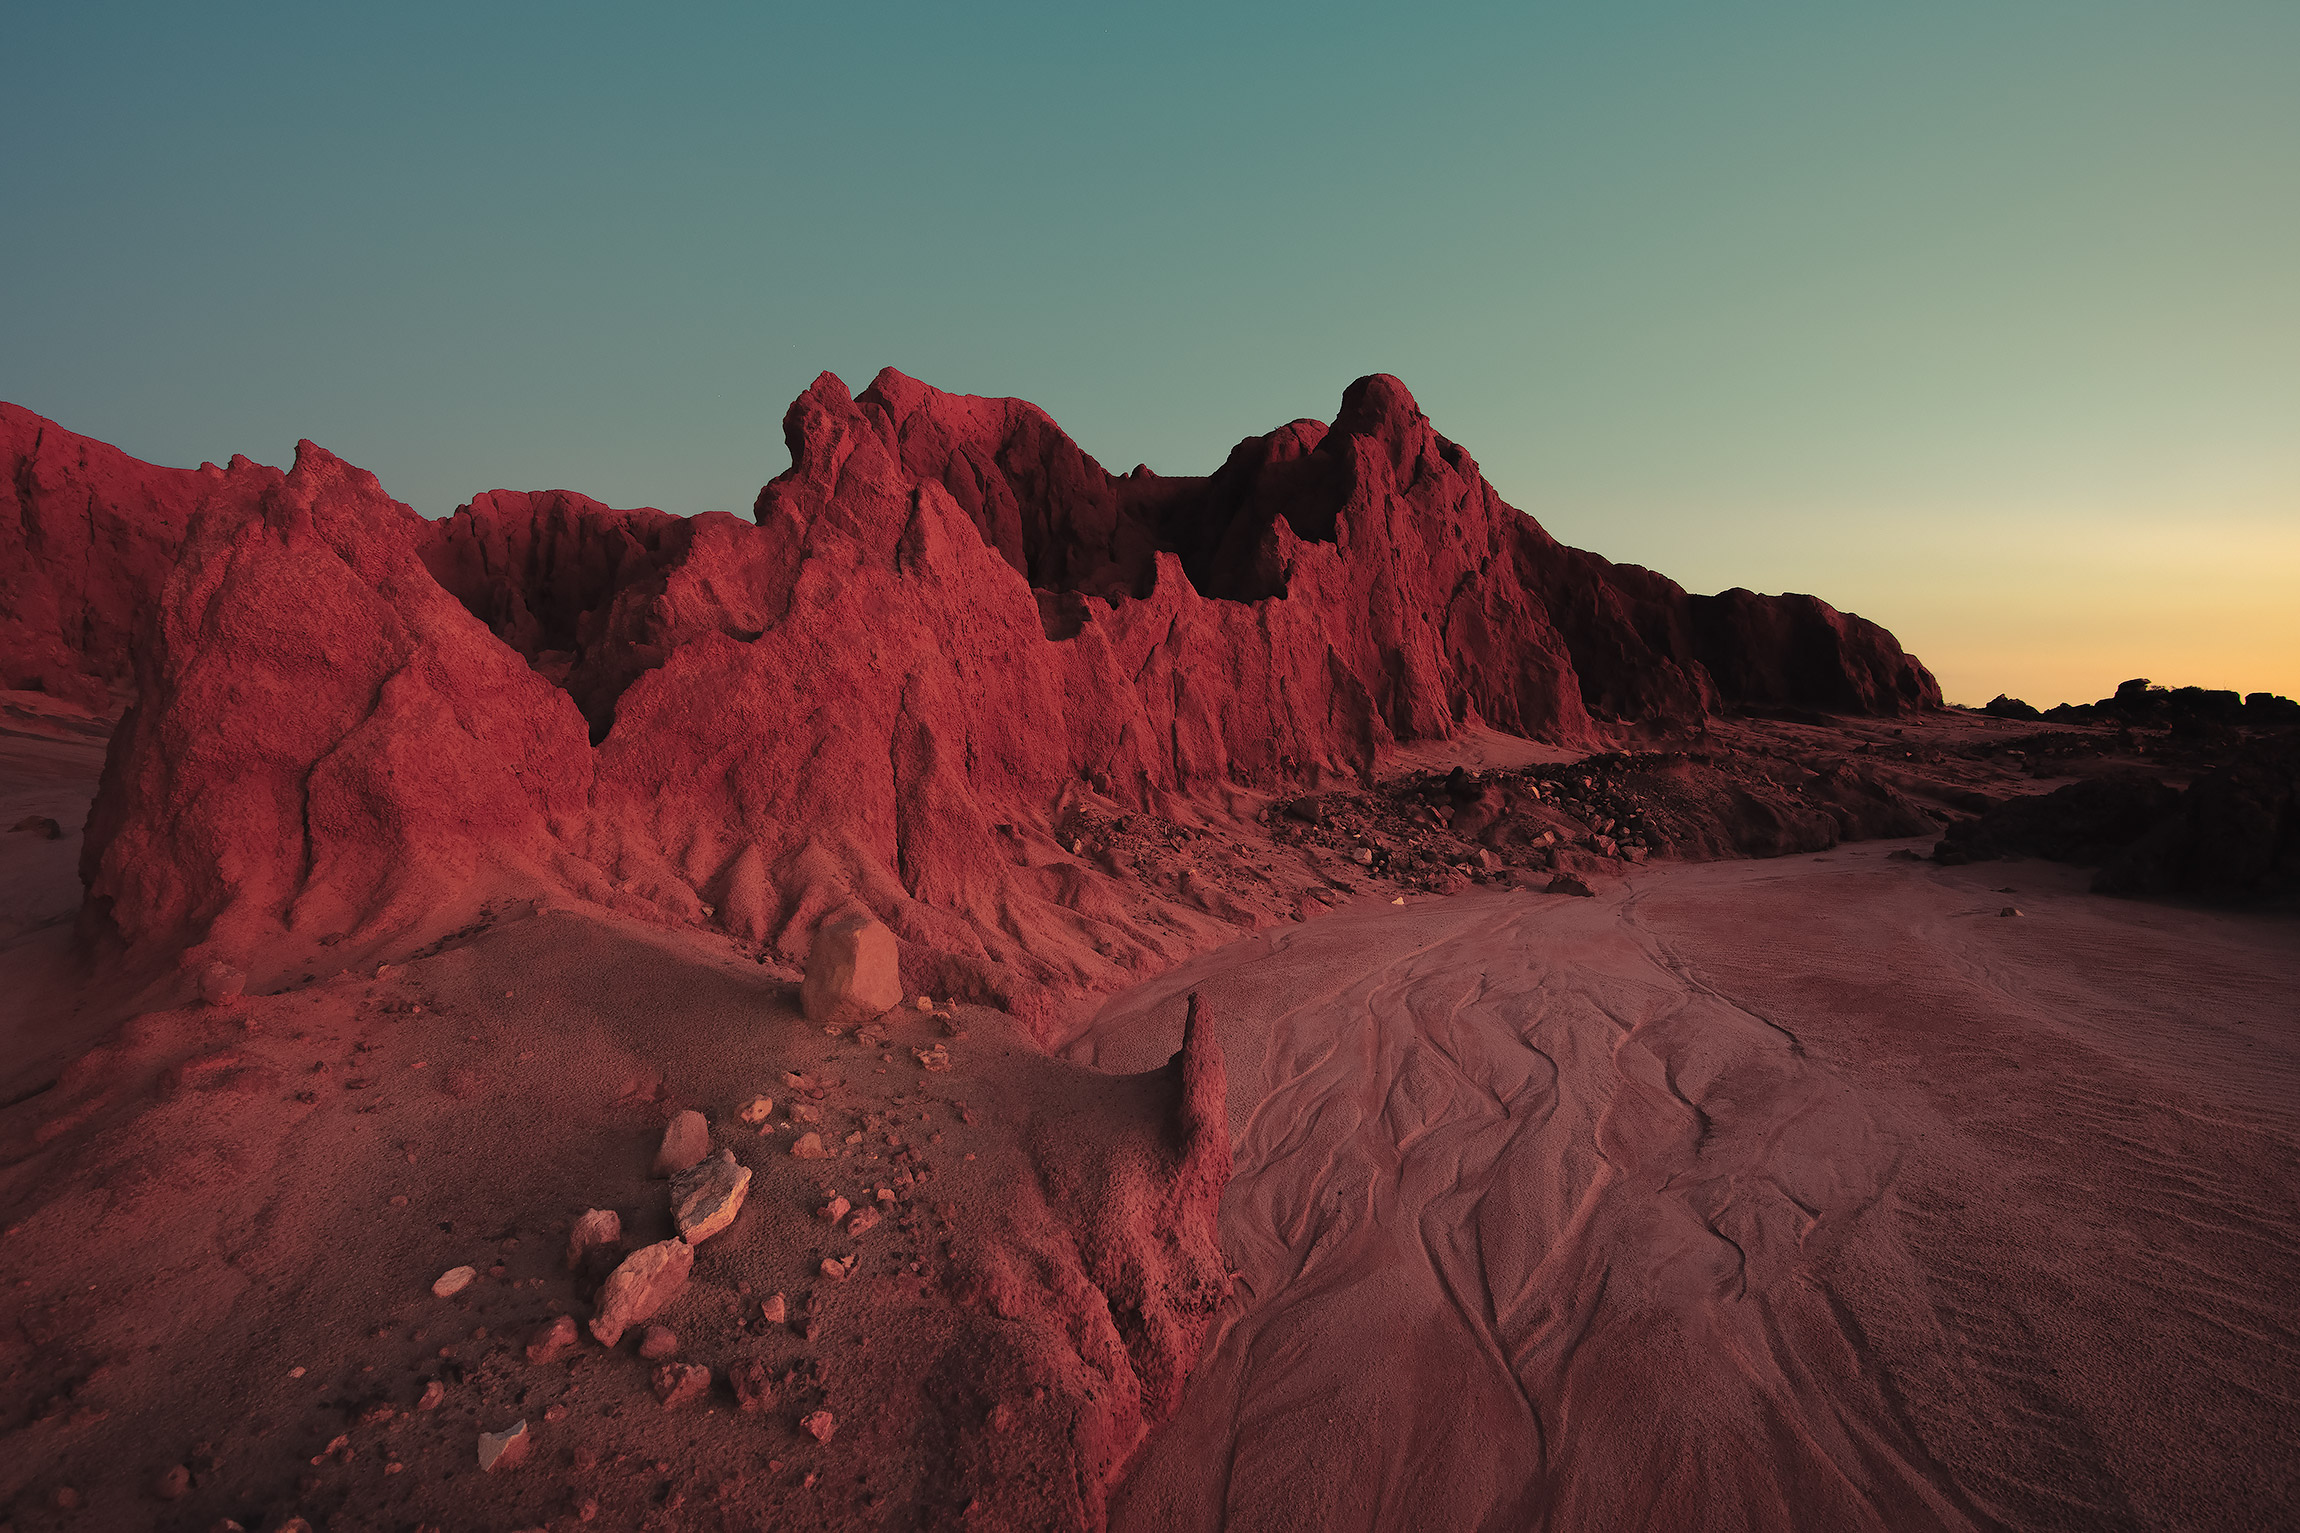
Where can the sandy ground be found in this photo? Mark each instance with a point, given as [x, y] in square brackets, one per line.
[1810, 1193]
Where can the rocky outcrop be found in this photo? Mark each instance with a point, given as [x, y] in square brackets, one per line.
[324, 740]
[2085, 822]
[1800, 652]
[2233, 834]
[553, 575]
[943, 627]
[87, 535]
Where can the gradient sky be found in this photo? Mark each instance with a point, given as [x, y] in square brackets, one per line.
[1980, 319]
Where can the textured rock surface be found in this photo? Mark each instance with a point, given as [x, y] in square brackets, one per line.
[598, 1232]
[851, 973]
[87, 535]
[943, 629]
[706, 1199]
[643, 1284]
[686, 1140]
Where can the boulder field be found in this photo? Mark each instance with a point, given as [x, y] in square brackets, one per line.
[943, 628]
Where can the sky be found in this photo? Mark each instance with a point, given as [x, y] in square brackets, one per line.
[1979, 319]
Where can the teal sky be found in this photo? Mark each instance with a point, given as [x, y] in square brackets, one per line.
[1981, 319]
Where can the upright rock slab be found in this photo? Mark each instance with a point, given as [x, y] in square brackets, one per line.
[851, 972]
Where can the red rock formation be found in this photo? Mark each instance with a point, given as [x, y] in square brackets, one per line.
[943, 625]
[86, 537]
[1800, 652]
[324, 740]
[543, 571]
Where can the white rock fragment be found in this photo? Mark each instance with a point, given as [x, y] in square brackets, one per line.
[505, 1449]
[706, 1199]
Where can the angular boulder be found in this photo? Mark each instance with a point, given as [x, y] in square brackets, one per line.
[686, 1140]
[706, 1198]
[851, 972]
[647, 1280]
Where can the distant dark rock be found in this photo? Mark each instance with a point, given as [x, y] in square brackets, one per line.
[2004, 707]
[2084, 822]
[2233, 835]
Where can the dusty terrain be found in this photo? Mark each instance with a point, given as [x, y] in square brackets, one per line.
[1810, 1193]
[570, 1016]
[1805, 1192]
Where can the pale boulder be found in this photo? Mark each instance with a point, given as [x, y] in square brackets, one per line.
[643, 1284]
[851, 972]
[706, 1198]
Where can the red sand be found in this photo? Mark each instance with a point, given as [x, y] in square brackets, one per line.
[1809, 1193]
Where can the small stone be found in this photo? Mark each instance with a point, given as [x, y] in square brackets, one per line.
[453, 1281]
[924, 1003]
[657, 1343]
[505, 1449]
[600, 1230]
[643, 1284]
[809, 1146]
[758, 1110]
[686, 1140]
[174, 1483]
[833, 1211]
[836, 1270]
[552, 1340]
[1400, 900]
[1363, 856]
[774, 1309]
[221, 984]
[936, 1057]
[433, 1392]
[850, 971]
[2009, 910]
[754, 1388]
[864, 1218]
[819, 1425]
[705, 1199]
[678, 1384]
[1567, 883]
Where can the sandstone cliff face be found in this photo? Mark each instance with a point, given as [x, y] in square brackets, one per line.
[324, 742]
[87, 534]
[943, 628]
